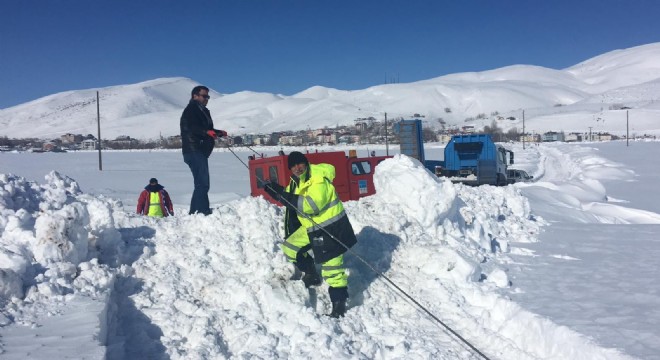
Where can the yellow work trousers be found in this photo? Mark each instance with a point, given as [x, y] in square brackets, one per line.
[332, 271]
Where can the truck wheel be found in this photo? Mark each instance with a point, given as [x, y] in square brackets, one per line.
[500, 180]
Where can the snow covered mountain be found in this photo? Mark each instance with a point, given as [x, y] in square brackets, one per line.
[580, 94]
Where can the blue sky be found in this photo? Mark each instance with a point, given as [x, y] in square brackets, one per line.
[286, 46]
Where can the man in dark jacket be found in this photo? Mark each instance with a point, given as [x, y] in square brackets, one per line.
[315, 220]
[197, 140]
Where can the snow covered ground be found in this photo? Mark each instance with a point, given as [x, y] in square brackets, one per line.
[567, 272]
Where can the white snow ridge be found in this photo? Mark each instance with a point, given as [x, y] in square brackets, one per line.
[81, 276]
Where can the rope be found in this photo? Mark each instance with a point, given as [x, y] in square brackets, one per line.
[254, 151]
[380, 274]
[243, 162]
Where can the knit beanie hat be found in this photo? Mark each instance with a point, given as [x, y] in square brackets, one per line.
[296, 158]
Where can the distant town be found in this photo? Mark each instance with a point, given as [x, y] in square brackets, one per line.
[363, 131]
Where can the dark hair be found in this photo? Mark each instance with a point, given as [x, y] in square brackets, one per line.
[197, 89]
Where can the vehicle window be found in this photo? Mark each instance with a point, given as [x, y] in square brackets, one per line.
[272, 174]
[501, 155]
[361, 168]
[259, 173]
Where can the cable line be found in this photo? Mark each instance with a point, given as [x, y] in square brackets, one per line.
[421, 307]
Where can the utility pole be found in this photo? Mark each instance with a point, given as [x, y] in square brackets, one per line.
[98, 123]
[627, 136]
[387, 147]
[524, 130]
[590, 137]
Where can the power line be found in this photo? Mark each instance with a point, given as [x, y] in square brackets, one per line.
[420, 307]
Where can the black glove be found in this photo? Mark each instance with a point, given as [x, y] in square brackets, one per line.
[289, 200]
[274, 189]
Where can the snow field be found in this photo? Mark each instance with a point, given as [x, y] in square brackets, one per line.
[195, 287]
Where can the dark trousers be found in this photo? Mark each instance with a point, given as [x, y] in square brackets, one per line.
[199, 166]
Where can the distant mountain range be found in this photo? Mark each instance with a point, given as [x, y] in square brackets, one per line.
[579, 98]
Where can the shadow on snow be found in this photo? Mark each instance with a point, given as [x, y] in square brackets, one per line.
[132, 335]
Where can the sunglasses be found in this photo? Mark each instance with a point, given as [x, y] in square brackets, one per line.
[204, 96]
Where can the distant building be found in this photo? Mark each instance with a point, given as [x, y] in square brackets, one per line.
[317, 132]
[250, 139]
[326, 138]
[444, 138]
[123, 141]
[88, 144]
[71, 138]
[349, 139]
[572, 137]
[552, 136]
[468, 129]
[291, 140]
[530, 138]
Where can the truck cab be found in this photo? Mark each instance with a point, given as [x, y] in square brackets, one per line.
[475, 160]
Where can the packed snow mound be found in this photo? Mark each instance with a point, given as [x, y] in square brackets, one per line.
[194, 286]
[47, 232]
[403, 172]
[569, 186]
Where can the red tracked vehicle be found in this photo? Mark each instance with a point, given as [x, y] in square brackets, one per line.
[353, 180]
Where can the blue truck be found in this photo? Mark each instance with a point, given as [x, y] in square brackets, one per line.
[472, 159]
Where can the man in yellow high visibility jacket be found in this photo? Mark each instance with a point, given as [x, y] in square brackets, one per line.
[315, 220]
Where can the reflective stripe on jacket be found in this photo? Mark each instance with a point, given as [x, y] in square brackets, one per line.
[155, 205]
[318, 198]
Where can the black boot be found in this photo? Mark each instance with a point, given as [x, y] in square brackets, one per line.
[338, 309]
[338, 297]
[311, 279]
[305, 263]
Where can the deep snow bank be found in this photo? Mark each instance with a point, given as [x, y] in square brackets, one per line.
[452, 254]
[57, 248]
[219, 287]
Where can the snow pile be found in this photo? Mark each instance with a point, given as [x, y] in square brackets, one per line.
[218, 286]
[52, 237]
[571, 187]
